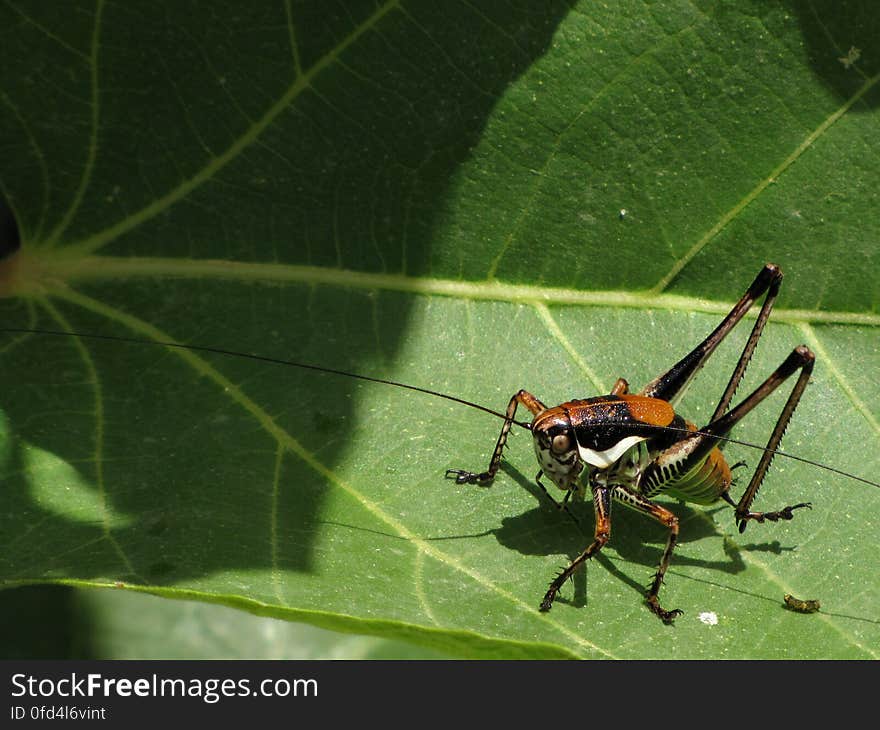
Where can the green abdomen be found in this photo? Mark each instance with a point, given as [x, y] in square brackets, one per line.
[702, 484]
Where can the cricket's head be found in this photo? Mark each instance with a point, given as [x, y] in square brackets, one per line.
[556, 448]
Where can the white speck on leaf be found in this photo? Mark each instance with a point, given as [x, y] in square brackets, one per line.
[710, 618]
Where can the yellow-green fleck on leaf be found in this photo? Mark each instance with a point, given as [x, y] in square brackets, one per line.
[434, 193]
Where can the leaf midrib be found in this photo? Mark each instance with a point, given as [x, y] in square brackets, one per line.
[40, 272]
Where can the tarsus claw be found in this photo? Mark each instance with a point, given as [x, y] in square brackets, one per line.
[462, 476]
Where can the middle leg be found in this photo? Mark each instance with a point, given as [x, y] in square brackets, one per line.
[670, 521]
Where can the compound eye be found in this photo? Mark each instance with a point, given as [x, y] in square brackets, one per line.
[561, 443]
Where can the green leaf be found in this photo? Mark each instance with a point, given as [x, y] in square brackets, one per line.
[59, 622]
[472, 197]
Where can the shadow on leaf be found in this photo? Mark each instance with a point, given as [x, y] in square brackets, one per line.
[204, 465]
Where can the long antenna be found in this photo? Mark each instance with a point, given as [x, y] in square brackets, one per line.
[383, 381]
[261, 358]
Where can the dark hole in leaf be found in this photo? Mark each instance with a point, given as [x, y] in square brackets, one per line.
[10, 239]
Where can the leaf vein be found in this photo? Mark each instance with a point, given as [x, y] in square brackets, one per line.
[556, 332]
[761, 186]
[283, 438]
[98, 414]
[829, 362]
[541, 175]
[251, 134]
[92, 150]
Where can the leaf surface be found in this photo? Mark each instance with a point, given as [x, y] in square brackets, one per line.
[473, 198]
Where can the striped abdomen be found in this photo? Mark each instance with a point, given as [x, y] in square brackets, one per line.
[703, 483]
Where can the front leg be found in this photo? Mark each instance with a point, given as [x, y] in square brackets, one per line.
[468, 477]
[602, 505]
